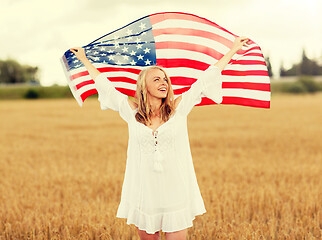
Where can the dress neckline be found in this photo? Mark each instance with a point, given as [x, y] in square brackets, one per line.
[158, 128]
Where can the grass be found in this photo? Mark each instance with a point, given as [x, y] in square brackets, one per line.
[259, 170]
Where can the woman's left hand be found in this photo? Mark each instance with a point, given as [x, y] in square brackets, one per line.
[239, 43]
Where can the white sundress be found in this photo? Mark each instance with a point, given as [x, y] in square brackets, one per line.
[160, 189]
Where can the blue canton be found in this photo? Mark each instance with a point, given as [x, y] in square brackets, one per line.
[132, 45]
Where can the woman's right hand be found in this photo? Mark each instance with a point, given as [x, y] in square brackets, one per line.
[79, 53]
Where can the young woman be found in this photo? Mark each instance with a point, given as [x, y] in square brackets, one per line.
[160, 189]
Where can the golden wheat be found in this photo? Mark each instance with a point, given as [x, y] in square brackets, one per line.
[259, 170]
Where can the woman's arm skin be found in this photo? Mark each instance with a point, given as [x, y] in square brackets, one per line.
[238, 44]
[81, 56]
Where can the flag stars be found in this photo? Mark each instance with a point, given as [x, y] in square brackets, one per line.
[146, 50]
[138, 40]
[126, 57]
[111, 57]
[142, 26]
[140, 57]
[133, 62]
[139, 46]
[129, 32]
[133, 53]
[125, 49]
[147, 62]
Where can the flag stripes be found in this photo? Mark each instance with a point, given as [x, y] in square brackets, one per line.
[185, 45]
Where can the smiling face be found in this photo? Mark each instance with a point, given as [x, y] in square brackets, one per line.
[157, 83]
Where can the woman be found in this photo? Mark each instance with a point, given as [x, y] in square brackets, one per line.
[160, 190]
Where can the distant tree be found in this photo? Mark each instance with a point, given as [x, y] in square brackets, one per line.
[269, 66]
[12, 72]
[305, 67]
[282, 70]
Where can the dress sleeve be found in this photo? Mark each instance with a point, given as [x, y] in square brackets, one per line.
[209, 84]
[110, 98]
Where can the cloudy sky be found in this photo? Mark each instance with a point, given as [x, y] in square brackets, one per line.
[38, 32]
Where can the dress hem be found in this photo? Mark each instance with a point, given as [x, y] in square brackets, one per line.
[188, 223]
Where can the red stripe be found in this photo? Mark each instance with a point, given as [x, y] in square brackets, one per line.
[82, 84]
[246, 102]
[80, 74]
[119, 69]
[193, 32]
[189, 47]
[84, 95]
[236, 101]
[254, 54]
[182, 62]
[126, 91]
[182, 80]
[247, 85]
[248, 62]
[180, 90]
[122, 79]
[245, 73]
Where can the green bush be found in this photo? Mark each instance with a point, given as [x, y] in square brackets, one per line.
[309, 84]
[304, 84]
[295, 87]
[31, 94]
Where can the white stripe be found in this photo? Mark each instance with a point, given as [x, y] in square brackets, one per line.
[252, 79]
[240, 67]
[245, 93]
[85, 88]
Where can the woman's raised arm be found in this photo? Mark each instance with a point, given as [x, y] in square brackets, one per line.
[238, 44]
[81, 56]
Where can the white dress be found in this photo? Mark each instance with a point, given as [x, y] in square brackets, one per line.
[160, 189]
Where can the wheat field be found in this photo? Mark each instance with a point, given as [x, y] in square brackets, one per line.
[259, 170]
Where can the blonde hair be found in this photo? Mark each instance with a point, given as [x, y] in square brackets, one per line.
[144, 112]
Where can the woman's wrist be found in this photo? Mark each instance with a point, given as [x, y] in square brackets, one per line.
[233, 50]
[84, 60]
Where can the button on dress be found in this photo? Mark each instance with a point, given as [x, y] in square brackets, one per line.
[160, 189]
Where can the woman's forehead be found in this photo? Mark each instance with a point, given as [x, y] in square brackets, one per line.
[155, 72]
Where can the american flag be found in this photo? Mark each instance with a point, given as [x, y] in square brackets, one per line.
[185, 45]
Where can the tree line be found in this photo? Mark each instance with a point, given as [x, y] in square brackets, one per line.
[307, 66]
[12, 72]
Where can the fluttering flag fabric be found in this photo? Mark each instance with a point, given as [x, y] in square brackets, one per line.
[182, 43]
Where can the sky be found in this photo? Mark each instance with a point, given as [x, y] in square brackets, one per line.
[38, 32]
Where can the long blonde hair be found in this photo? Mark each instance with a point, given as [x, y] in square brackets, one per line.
[144, 112]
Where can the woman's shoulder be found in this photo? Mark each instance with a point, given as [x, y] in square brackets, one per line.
[177, 101]
[132, 104]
